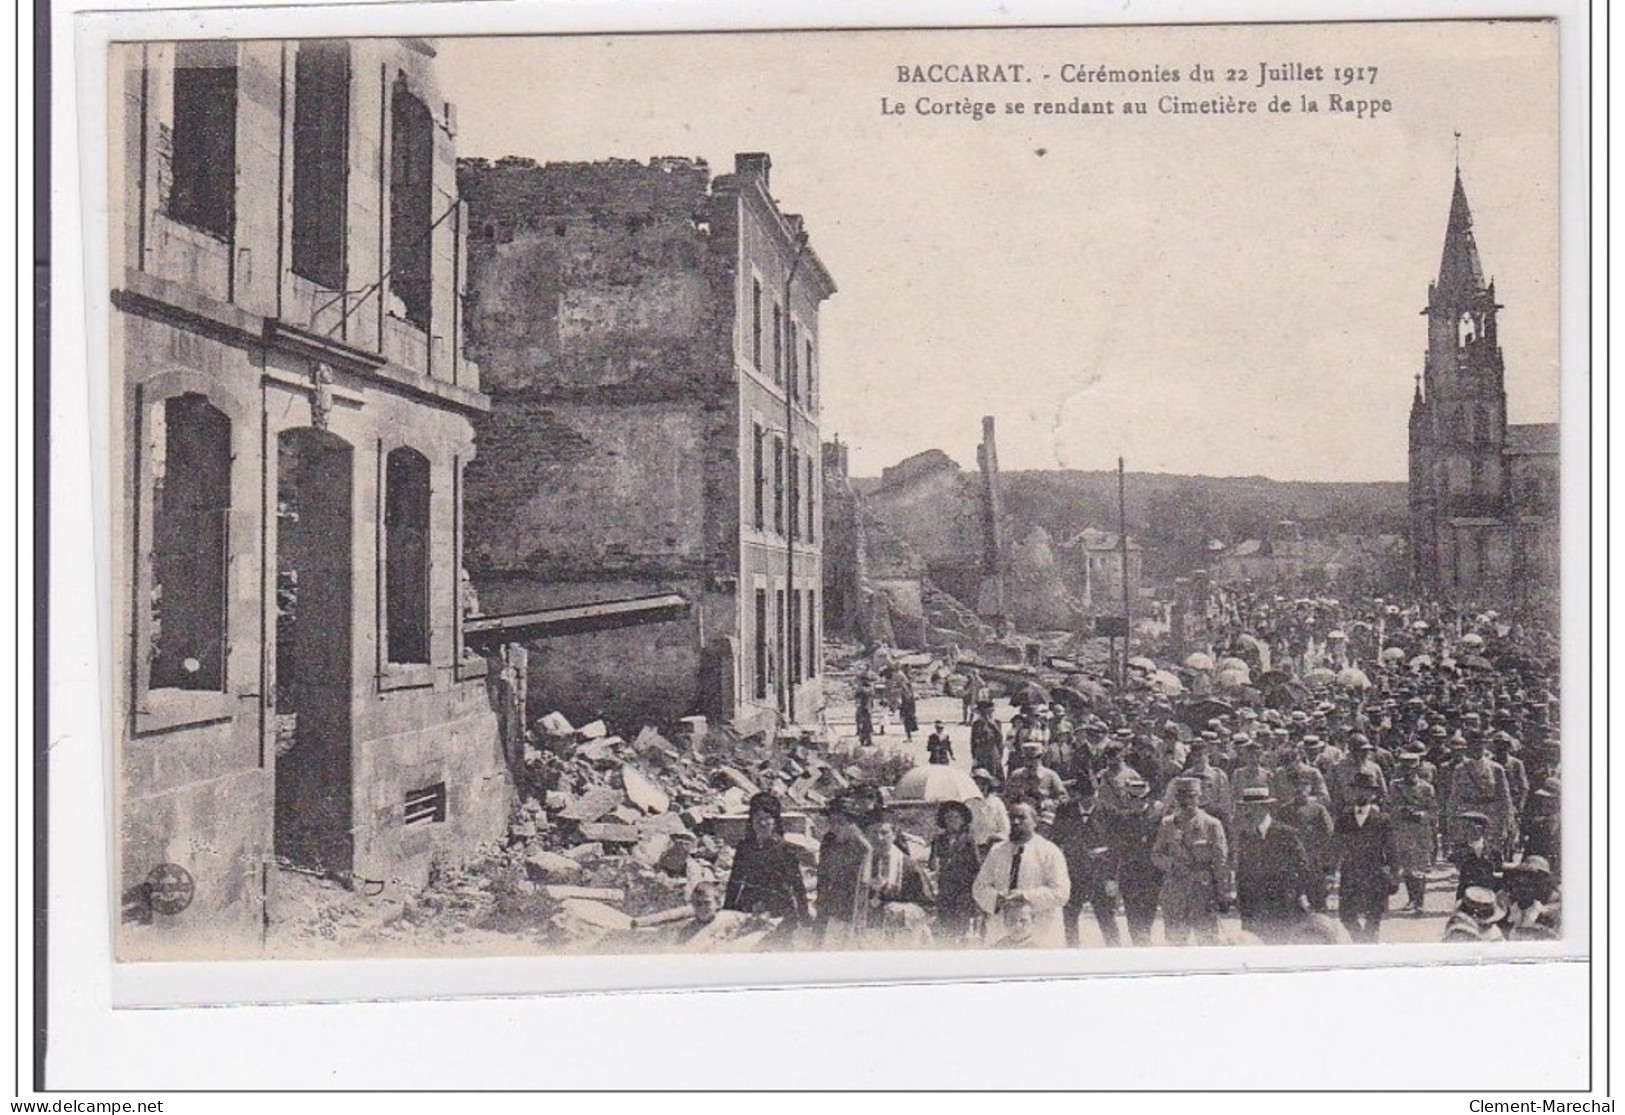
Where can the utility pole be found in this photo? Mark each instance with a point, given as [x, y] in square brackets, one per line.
[1122, 541]
[787, 690]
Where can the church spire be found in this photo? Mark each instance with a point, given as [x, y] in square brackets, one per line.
[1460, 275]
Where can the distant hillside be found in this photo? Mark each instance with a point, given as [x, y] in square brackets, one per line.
[1174, 516]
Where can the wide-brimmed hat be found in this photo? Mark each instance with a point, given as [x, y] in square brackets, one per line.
[982, 774]
[1187, 787]
[1136, 787]
[1481, 904]
[1313, 743]
[958, 807]
[1551, 788]
[1256, 795]
[1473, 817]
[1032, 745]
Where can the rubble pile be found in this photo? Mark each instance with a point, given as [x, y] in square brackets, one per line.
[611, 835]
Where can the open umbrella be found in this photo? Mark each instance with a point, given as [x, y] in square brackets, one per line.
[935, 782]
[1472, 639]
[1232, 679]
[1353, 677]
[1090, 688]
[1165, 683]
[1231, 664]
[1140, 662]
[1196, 714]
[1319, 676]
[1394, 654]
[1477, 662]
[1422, 662]
[1199, 661]
[1337, 634]
[1032, 693]
[1254, 642]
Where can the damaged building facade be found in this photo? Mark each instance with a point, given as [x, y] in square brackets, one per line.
[293, 412]
[649, 337]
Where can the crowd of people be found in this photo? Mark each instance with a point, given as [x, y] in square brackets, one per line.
[1311, 810]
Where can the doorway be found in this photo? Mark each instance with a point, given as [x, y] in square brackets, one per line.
[314, 600]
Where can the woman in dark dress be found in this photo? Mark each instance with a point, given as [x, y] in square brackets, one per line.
[955, 860]
[766, 878]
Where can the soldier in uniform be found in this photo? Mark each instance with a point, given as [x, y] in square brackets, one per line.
[987, 748]
[1506, 753]
[1216, 799]
[1131, 833]
[1313, 821]
[1193, 855]
[1249, 771]
[1341, 778]
[1414, 811]
[1114, 777]
[1478, 784]
[1033, 781]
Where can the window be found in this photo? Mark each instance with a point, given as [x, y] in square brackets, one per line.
[411, 203]
[406, 556]
[778, 629]
[426, 806]
[321, 113]
[794, 648]
[759, 483]
[191, 502]
[203, 162]
[756, 324]
[812, 503]
[812, 395]
[778, 345]
[778, 484]
[761, 644]
[793, 372]
[795, 493]
[812, 633]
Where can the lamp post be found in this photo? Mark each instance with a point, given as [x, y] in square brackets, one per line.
[787, 695]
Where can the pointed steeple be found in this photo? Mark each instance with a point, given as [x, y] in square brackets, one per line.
[1460, 275]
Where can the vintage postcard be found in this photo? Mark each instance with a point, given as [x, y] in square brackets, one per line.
[832, 492]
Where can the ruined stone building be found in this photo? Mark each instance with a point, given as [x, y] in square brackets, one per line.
[293, 411]
[1095, 570]
[1483, 494]
[649, 337]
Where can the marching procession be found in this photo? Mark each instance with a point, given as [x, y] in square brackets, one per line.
[1302, 782]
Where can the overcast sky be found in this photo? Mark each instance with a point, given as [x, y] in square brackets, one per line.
[1222, 295]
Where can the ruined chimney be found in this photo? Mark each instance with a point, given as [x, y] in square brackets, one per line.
[754, 164]
[991, 602]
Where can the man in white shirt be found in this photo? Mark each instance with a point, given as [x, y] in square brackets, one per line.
[1029, 867]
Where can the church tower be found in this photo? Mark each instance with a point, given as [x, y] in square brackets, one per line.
[1458, 482]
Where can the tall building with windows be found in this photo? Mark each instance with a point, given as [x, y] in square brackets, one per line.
[1483, 495]
[293, 412]
[650, 340]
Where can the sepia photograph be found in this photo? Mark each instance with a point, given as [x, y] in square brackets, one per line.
[1086, 489]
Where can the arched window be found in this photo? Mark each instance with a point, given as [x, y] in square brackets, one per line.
[406, 556]
[191, 503]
